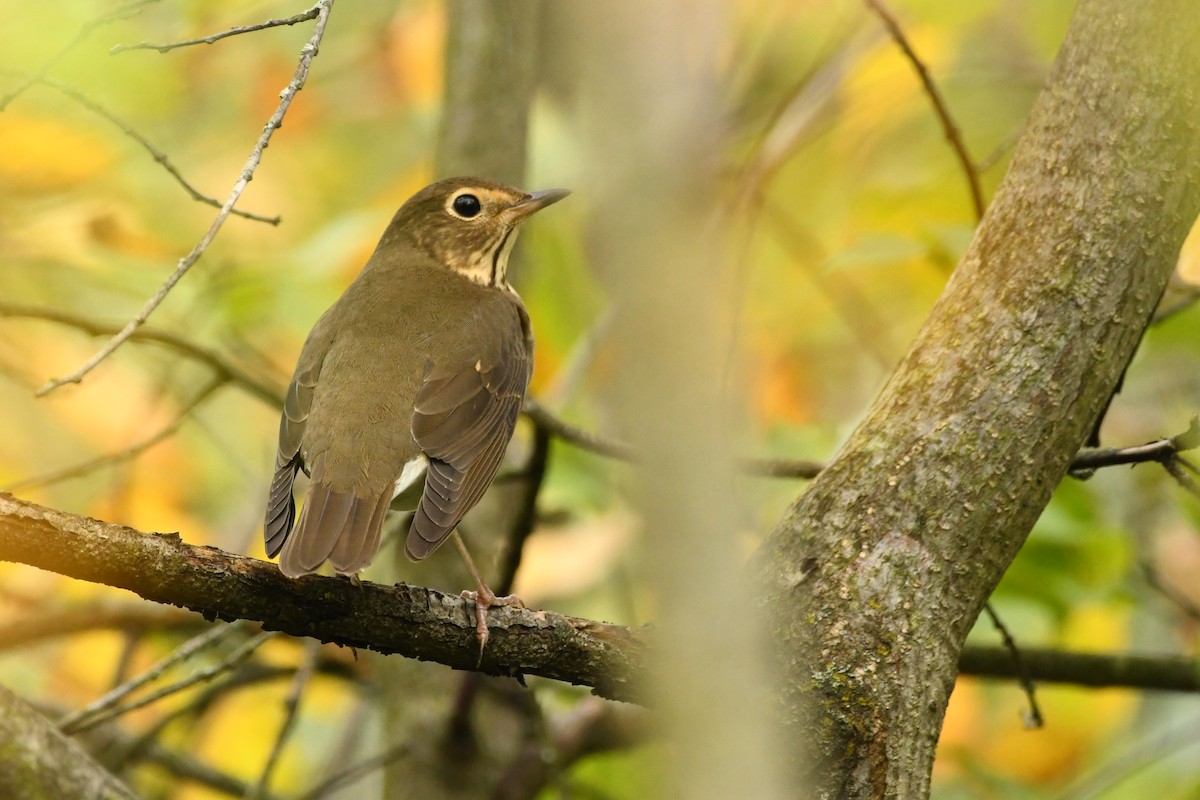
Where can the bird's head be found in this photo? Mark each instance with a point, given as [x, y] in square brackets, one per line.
[469, 224]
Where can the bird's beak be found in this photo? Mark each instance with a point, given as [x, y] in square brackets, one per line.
[534, 201]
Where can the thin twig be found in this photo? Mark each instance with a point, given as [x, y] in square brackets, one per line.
[291, 707]
[187, 650]
[1186, 297]
[358, 771]
[269, 393]
[85, 30]
[526, 517]
[939, 105]
[216, 37]
[782, 468]
[851, 304]
[307, 53]
[155, 153]
[1178, 598]
[586, 440]
[1033, 717]
[1176, 467]
[37, 625]
[109, 459]
[200, 676]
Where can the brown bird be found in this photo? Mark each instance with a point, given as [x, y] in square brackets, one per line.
[419, 369]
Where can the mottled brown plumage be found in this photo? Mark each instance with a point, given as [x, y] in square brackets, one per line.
[423, 360]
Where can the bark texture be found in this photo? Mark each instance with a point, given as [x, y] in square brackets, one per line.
[878, 572]
[418, 623]
[36, 761]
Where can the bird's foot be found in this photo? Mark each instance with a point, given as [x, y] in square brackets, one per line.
[484, 598]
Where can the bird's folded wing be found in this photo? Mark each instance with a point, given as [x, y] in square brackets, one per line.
[463, 418]
[281, 507]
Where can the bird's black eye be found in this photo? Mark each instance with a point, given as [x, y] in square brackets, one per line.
[467, 206]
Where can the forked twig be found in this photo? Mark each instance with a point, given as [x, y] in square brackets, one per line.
[939, 104]
[307, 53]
[155, 153]
[85, 30]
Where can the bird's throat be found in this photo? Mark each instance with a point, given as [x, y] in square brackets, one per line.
[489, 267]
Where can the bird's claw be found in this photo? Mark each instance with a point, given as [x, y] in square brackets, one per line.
[484, 598]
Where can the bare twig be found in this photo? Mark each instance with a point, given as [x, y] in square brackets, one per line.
[1178, 598]
[939, 104]
[206, 674]
[40, 625]
[526, 517]
[307, 53]
[358, 771]
[1184, 298]
[269, 393]
[291, 706]
[1178, 467]
[155, 153]
[592, 442]
[782, 468]
[85, 30]
[70, 723]
[852, 305]
[1033, 716]
[130, 452]
[303, 16]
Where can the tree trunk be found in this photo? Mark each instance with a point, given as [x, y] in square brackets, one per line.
[879, 570]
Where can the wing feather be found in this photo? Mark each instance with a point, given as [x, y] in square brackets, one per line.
[463, 419]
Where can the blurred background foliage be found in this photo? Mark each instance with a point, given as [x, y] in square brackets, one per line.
[850, 211]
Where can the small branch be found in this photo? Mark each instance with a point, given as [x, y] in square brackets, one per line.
[269, 393]
[1033, 718]
[85, 30]
[782, 468]
[939, 105]
[1178, 467]
[30, 628]
[291, 707]
[71, 723]
[307, 53]
[216, 37]
[200, 676]
[358, 771]
[158, 155]
[1180, 600]
[594, 443]
[526, 517]
[133, 451]
[1154, 673]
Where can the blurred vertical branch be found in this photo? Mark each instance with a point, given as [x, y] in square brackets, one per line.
[449, 722]
[491, 55]
[653, 136]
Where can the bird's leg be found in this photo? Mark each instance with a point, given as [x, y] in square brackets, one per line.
[483, 597]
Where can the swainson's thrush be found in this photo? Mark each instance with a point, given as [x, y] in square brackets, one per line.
[419, 369]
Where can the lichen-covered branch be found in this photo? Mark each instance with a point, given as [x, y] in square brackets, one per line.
[878, 572]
